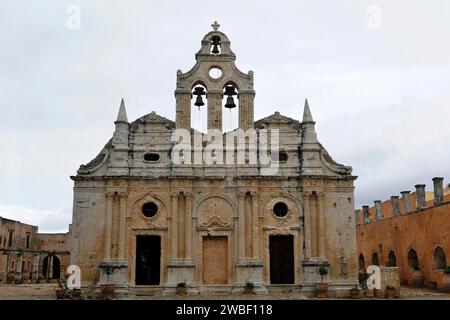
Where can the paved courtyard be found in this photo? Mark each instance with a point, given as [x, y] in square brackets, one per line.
[46, 292]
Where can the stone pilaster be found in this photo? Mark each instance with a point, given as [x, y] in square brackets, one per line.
[183, 109]
[321, 225]
[241, 227]
[246, 106]
[122, 224]
[174, 226]
[108, 224]
[215, 110]
[188, 225]
[308, 234]
[255, 226]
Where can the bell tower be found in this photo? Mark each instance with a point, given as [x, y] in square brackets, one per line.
[215, 76]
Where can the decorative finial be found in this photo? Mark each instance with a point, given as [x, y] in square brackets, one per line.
[215, 26]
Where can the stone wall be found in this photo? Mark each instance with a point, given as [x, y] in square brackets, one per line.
[421, 230]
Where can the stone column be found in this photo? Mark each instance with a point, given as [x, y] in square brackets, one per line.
[214, 109]
[246, 118]
[395, 206]
[378, 212]
[307, 214]
[405, 201]
[122, 224]
[321, 228]
[108, 224]
[174, 226]
[366, 216]
[188, 226]
[255, 227]
[420, 196]
[438, 190]
[183, 109]
[35, 271]
[241, 237]
[50, 267]
[19, 266]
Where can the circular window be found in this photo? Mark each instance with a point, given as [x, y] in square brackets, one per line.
[149, 209]
[215, 73]
[280, 209]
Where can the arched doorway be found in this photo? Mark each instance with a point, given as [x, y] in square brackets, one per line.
[361, 262]
[375, 260]
[413, 260]
[51, 267]
[56, 266]
[392, 259]
[439, 259]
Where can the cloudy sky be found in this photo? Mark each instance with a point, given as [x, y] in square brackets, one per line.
[376, 74]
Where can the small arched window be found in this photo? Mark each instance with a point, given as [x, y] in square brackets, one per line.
[375, 260]
[361, 262]
[413, 260]
[439, 259]
[392, 259]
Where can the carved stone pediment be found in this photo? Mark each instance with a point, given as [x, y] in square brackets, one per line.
[216, 222]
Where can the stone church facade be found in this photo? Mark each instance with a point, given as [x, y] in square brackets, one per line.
[146, 223]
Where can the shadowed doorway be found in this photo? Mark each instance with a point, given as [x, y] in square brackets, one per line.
[148, 260]
[281, 250]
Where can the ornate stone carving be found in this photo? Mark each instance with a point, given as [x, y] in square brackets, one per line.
[214, 223]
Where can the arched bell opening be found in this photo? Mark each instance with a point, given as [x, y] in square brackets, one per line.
[230, 104]
[216, 47]
[199, 110]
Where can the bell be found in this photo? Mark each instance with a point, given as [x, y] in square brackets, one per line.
[215, 49]
[199, 101]
[230, 91]
[230, 103]
[199, 91]
[216, 43]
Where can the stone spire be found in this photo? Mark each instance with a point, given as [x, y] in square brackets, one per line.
[118, 164]
[122, 116]
[307, 117]
[309, 132]
[311, 164]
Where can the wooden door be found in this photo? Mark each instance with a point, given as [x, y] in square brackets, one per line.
[281, 250]
[215, 260]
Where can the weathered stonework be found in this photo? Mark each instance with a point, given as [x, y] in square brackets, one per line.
[200, 206]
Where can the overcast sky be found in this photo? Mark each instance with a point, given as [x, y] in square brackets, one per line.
[379, 89]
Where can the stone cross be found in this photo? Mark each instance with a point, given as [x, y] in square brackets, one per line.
[215, 26]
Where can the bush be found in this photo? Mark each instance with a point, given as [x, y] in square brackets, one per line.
[447, 270]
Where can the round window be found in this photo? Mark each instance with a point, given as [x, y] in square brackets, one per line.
[215, 73]
[280, 209]
[149, 209]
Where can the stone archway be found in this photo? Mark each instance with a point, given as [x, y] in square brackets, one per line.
[413, 260]
[439, 259]
[51, 267]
